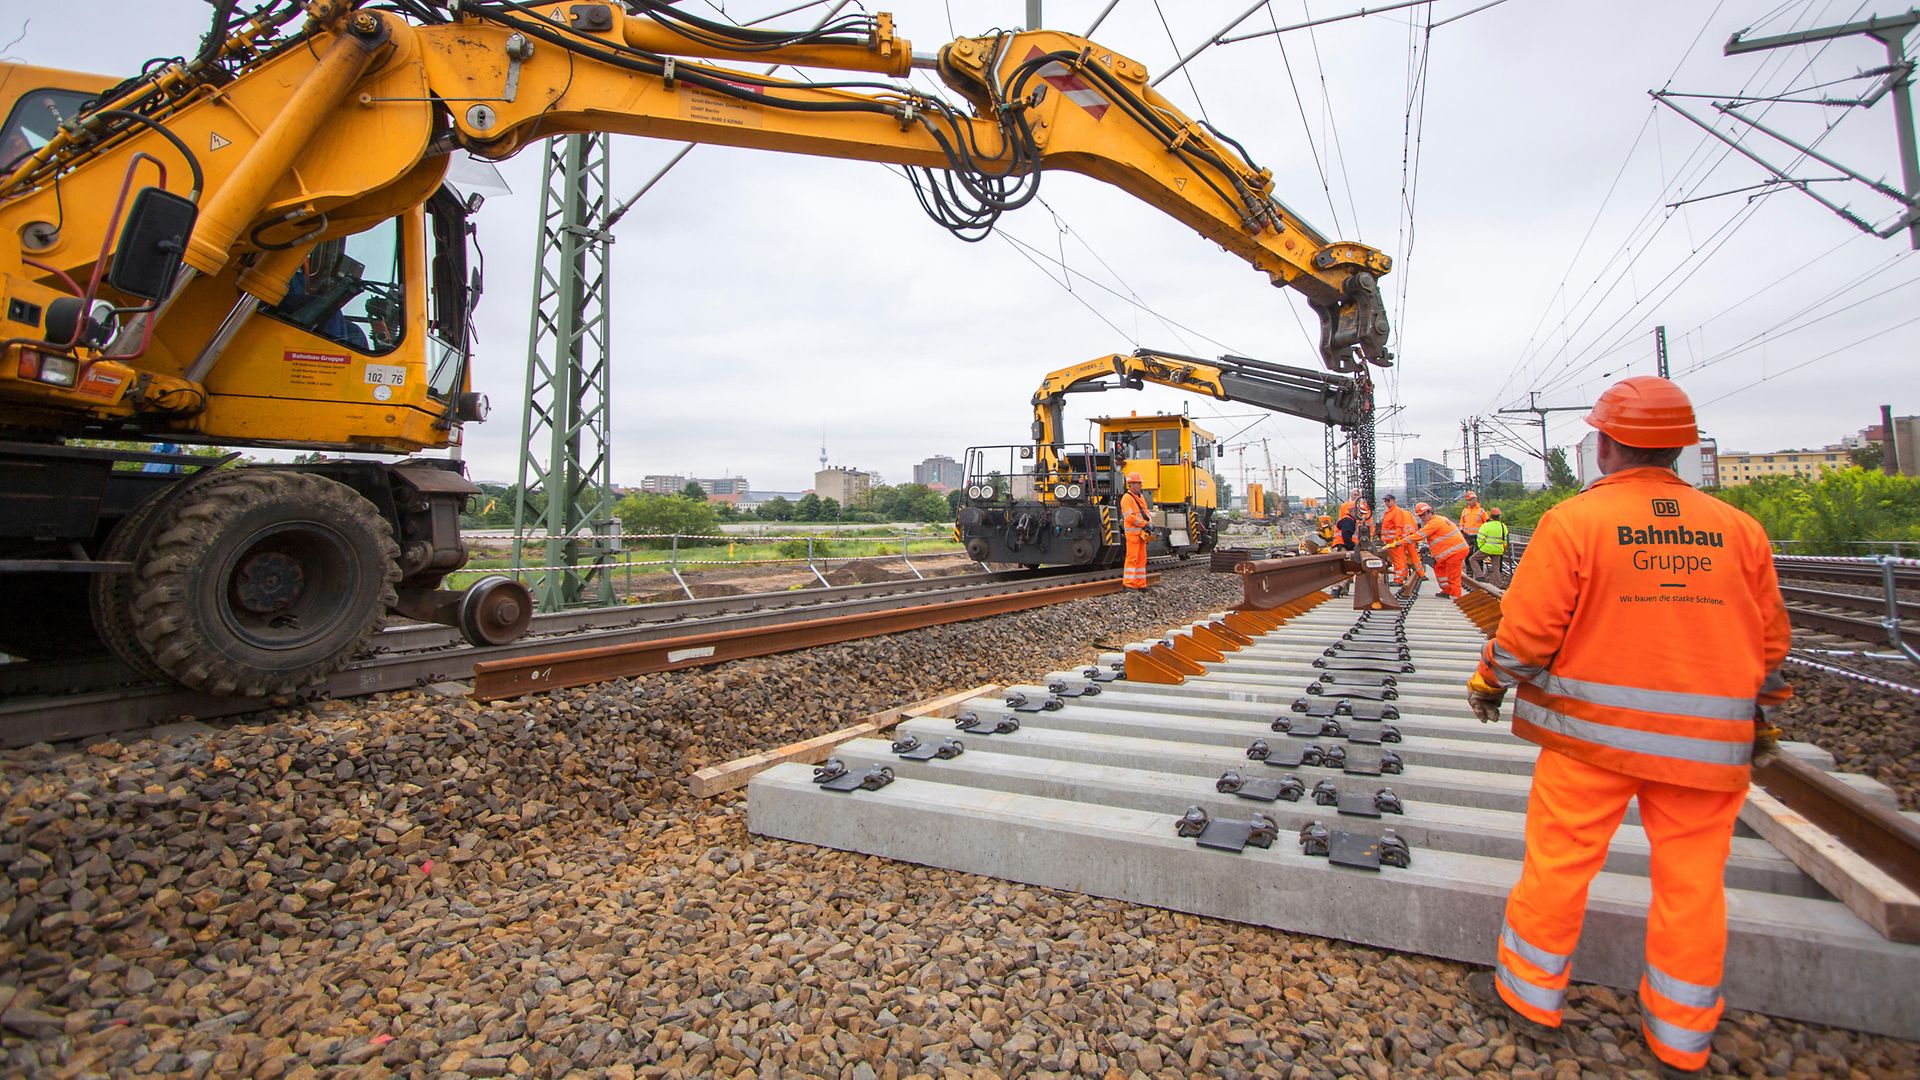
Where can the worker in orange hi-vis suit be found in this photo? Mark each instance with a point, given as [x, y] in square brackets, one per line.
[1396, 524]
[1133, 515]
[1346, 508]
[1444, 542]
[1472, 516]
[1645, 631]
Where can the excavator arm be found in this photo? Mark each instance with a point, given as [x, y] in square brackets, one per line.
[1325, 399]
[283, 138]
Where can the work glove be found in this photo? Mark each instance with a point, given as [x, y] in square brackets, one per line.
[1485, 699]
[1766, 741]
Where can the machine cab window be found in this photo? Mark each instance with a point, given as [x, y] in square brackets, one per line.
[351, 291]
[35, 120]
[1166, 445]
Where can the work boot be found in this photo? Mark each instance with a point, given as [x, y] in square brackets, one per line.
[1675, 1072]
[1481, 989]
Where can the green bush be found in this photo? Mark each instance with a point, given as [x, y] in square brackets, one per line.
[796, 548]
[1832, 514]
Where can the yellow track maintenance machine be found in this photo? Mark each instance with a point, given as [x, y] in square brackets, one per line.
[1052, 503]
[253, 247]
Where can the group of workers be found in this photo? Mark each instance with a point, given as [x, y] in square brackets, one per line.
[1479, 535]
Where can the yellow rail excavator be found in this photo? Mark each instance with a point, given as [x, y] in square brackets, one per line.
[254, 247]
[1052, 503]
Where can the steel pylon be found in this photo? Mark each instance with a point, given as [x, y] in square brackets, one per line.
[565, 447]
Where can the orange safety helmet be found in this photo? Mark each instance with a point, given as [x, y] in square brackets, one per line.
[1471, 495]
[1495, 512]
[1134, 478]
[1326, 519]
[1646, 411]
[1422, 508]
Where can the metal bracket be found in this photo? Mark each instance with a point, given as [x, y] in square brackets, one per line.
[1310, 727]
[1350, 849]
[832, 775]
[1358, 683]
[1366, 761]
[1361, 730]
[1019, 701]
[1292, 754]
[1360, 692]
[910, 748]
[1338, 664]
[1261, 788]
[1066, 688]
[1100, 673]
[1369, 650]
[1225, 835]
[979, 725]
[1342, 706]
[1357, 803]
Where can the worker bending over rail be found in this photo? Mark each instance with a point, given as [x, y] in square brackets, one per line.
[1133, 512]
[1444, 543]
[1645, 631]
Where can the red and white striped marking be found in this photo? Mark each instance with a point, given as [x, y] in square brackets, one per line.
[1078, 90]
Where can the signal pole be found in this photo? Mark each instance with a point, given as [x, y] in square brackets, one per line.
[1660, 350]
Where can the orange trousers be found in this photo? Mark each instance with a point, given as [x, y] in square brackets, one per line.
[1134, 574]
[1405, 562]
[1447, 572]
[1572, 813]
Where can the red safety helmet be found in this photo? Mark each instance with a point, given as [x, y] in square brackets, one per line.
[1495, 512]
[1646, 411]
[1134, 478]
[1422, 508]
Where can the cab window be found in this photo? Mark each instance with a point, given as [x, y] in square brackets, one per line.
[35, 120]
[1139, 444]
[350, 291]
[1167, 447]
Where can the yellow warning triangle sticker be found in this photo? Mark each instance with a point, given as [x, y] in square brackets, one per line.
[1107, 59]
[1180, 183]
[215, 142]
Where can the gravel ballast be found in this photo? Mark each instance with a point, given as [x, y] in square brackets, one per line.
[419, 885]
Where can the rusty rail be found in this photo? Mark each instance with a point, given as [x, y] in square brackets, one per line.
[1875, 831]
[496, 679]
[1266, 584]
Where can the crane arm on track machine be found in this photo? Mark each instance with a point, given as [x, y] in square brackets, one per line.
[1064, 508]
[253, 247]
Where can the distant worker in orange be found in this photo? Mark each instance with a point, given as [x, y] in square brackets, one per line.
[1472, 516]
[1133, 515]
[1396, 524]
[1645, 631]
[1346, 508]
[1444, 543]
[1321, 539]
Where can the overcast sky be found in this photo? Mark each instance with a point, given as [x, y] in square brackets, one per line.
[761, 298]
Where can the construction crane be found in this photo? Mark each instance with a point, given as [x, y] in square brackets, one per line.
[253, 247]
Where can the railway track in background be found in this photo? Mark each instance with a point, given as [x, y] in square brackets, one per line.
[48, 702]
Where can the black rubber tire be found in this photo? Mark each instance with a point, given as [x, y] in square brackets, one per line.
[110, 596]
[51, 620]
[191, 617]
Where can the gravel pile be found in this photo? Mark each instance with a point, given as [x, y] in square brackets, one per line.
[423, 886]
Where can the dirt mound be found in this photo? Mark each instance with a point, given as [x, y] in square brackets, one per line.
[862, 572]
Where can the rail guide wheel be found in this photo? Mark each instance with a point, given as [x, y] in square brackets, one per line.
[262, 582]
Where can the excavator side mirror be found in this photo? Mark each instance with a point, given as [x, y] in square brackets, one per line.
[152, 242]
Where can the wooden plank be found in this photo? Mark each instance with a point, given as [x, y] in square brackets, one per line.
[1881, 902]
[715, 779]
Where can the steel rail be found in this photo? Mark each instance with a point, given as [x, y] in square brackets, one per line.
[1877, 832]
[1850, 601]
[55, 677]
[503, 678]
[1832, 622]
[26, 720]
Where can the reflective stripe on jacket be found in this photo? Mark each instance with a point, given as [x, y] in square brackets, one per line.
[1443, 537]
[1646, 629]
[1493, 537]
[1472, 518]
[1397, 523]
[1133, 509]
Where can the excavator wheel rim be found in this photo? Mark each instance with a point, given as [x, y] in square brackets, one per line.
[191, 616]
